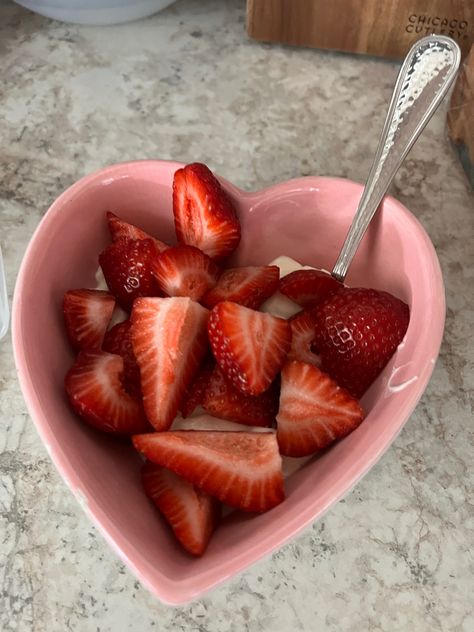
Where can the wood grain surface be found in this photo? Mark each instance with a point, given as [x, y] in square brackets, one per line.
[377, 27]
[461, 116]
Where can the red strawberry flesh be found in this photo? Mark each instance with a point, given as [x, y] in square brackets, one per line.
[118, 340]
[357, 331]
[242, 469]
[96, 394]
[120, 229]
[314, 411]
[191, 513]
[250, 347]
[204, 215]
[87, 314]
[185, 271]
[127, 268]
[169, 342]
[194, 395]
[302, 338]
[249, 286]
[224, 401]
[308, 287]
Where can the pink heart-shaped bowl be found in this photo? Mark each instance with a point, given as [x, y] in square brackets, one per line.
[306, 219]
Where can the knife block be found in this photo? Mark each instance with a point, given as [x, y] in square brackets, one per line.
[385, 28]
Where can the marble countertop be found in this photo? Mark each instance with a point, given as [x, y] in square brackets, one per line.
[397, 553]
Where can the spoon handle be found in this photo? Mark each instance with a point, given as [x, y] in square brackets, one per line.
[424, 79]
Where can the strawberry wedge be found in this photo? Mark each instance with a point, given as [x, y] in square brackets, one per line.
[120, 229]
[194, 395]
[118, 340]
[191, 513]
[87, 314]
[204, 215]
[169, 342]
[250, 347]
[249, 286]
[314, 411]
[242, 469]
[126, 265]
[96, 394]
[302, 337]
[309, 287]
[224, 401]
[185, 271]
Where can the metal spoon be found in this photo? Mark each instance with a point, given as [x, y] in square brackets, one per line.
[424, 79]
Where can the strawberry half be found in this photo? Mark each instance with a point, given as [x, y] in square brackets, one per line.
[249, 286]
[127, 268]
[204, 215]
[185, 271]
[194, 395]
[250, 347]
[314, 411]
[242, 469]
[308, 287]
[357, 332]
[302, 338]
[118, 340]
[120, 229]
[96, 394]
[169, 341]
[191, 513]
[224, 401]
[87, 314]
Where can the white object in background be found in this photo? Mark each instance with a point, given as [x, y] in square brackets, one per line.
[95, 12]
[4, 312]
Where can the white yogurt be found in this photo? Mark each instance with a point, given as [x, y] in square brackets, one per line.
[279, 304]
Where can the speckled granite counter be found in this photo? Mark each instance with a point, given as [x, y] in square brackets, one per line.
[396, 554]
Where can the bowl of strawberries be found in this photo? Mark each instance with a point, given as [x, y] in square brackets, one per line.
[203, 386]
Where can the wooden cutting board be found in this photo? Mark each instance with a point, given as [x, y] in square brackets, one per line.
[461, 116]
[385, 28]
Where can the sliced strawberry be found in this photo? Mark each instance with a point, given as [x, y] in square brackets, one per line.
[118, 340]
[185, 271]
[308, 287]
[120, 229]
[224, 401]
[169, 342]
[87, 314]
[314, 411]
[204, 215]
[127, 265]
[95, 391]
[194, 395]
[191, 513]
[250, 347]
[242, 469]
[249, 286]
[302, 338]
[357, 332]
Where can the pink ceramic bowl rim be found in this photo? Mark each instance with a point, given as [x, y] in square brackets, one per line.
[169, 591]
